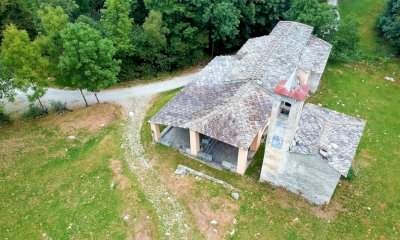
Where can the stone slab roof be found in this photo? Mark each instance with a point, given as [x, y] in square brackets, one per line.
[330, 135]
[230, 99]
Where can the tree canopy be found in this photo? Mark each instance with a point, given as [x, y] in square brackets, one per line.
[23, 64]
[117, 24]
[321, 16]
[87, 61]
[389, 23]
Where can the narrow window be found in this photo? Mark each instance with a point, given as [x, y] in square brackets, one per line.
[285, 108]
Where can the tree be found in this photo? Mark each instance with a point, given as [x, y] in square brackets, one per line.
[6, 84]
[24, 64]
[52, 22]
[90, 8]
[321, 16]
[223, 19]
[117, 24]
[87, 60]
[389, 23]
[16, 12]
[69, 6]
[92, 23]
[347, 38]
[153, 38]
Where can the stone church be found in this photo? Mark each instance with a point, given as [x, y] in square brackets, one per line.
[237, 102]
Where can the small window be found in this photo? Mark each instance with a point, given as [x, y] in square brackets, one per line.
[285, 108]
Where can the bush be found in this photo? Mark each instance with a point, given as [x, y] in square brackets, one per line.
[4, 117]
[321, 16]
[33, 112]
[389, 23]
[59, 107]
[351, 175]
[346, 40]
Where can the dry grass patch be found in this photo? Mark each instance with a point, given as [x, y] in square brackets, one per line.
[91, 118]
[204, 205]
[121, 181]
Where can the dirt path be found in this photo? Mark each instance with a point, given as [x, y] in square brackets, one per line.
[174, 220]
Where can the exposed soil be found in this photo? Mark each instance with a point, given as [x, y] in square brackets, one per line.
[143, 231]
[92, 118]
[204, 207]
[121, 181]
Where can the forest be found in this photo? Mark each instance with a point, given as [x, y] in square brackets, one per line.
[92, 44]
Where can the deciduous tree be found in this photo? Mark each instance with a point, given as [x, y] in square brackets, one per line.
[117, 24]
[88, 60]
[321, 16]
[24, 63]
[52, 22]
[223, 19]
[347, 38]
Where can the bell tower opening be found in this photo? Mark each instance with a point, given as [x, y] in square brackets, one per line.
[285, 108]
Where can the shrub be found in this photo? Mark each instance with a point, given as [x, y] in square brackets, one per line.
[321, 16]
[346, 40]
[4, 117]
[389, 23]
[33, 112]
[59, 107]
[351, 175]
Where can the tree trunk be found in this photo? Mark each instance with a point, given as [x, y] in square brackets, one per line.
[95, 94]
[84, 97]
[212, 48]
[40, 103]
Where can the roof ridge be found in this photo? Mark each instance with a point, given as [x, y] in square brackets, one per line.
[274, 48]
[298, 23]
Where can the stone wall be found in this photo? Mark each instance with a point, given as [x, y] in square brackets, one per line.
[308, 176]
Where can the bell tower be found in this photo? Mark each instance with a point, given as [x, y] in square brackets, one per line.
[288, 102]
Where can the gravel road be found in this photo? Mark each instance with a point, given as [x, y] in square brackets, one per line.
[174, 219]
[73, 98]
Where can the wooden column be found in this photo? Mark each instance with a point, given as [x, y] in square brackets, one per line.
[155, 132]
[194, 142]
[242, 161]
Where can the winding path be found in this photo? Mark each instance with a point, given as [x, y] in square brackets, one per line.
[174, 219]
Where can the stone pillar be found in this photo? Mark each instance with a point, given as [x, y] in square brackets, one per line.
[254, 145]
[194, 142]
[242, 161]
[155, 132]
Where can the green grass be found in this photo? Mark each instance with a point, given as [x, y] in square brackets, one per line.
[368, 207]
[53, 187]
[367, 11]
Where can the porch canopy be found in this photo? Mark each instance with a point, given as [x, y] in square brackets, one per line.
[233, 112]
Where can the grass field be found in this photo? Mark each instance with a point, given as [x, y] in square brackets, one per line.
[367, 207]
[53, 187]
